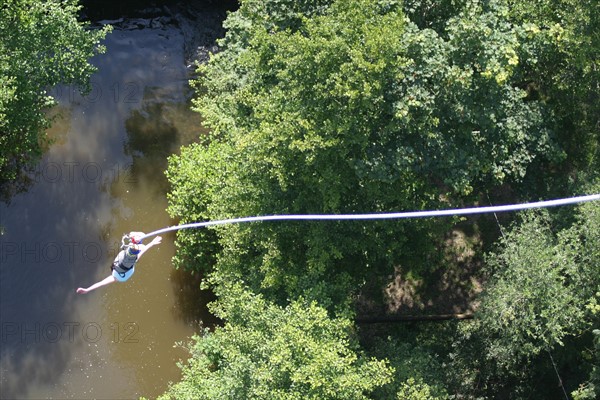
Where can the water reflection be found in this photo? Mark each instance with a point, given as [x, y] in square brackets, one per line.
[191, 303]
[27, 176]
[102, 176]
[152, 138]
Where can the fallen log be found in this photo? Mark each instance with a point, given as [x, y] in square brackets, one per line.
[387, 319]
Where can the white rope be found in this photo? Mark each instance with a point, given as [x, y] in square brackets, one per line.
[379, 216]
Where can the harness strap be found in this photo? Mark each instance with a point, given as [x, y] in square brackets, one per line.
[122, 268]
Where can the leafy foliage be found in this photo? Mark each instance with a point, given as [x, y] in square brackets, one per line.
[528, 307]
[416, 390]
[355, 106]
[41, 45]
[296, 156]
[354, 109]
[566, 74]
[534, 304]
[418, 369]
[268, 352]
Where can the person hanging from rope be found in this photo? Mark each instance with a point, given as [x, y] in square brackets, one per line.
[123, 265]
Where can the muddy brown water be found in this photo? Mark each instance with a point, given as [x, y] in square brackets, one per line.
[102, 176]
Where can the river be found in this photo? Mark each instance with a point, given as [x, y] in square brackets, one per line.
[102, 176]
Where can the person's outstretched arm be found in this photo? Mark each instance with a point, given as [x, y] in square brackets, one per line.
[109, 279]
[144, 248]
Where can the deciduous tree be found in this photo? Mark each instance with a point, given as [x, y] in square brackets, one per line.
[268, 352]
[42, 44]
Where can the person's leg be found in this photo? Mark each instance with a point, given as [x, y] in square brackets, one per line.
[109, 279]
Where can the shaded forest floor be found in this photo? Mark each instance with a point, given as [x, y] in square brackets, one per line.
[450, 286]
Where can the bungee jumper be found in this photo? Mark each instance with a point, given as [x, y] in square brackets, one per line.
[123, 265]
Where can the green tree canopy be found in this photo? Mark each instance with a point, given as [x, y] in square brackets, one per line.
[540, 299]
[268, 352]
[528, 305]
[41, 45]
[566, 74]
[355, 109]
[364, 106]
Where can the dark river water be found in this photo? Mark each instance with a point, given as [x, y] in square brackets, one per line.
[102, 176]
